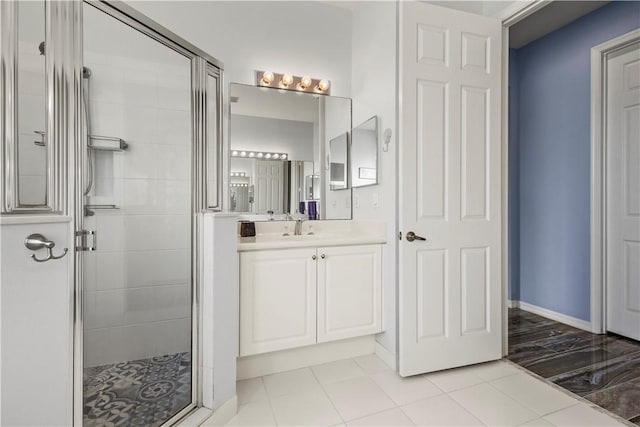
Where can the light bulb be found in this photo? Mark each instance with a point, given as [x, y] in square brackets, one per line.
[305, 82]
[323, 85]
[287, 79]
[243, 154]
[276, 156]
[267, 77]
[259, 155]
[267, 156]
[234, 153]
[252, 154]
[283, 156]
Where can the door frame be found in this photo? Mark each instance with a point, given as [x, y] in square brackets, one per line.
[510, 16]
[600, 56]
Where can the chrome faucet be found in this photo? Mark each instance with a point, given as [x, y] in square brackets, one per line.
[298, 230]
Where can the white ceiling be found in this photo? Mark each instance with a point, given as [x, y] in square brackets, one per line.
[555, 15]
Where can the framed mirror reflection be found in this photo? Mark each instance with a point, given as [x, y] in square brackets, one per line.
[278, 143]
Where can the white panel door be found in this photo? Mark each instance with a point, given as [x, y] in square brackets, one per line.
[277, 300]
[450, 284]
[268, 187]
[349, 291]
[623, 193]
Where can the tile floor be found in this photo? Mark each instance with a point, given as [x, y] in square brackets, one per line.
[604, 369]
[144, 393]
[365, 392]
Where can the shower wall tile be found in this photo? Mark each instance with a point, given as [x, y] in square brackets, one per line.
[174, 92]
[120, 270]
[113, 237]
[157, 232]
[141, 88]
[140, 341]
[106, 84]
[142, 269]
[31, 80]
[170, 161]
[152, 268]
[32, 189]
[107, 118]
[139, 124]
[120, 307]
[138, 163]
[174, 127]
[32, 158]
[156, 196]
[31, 113]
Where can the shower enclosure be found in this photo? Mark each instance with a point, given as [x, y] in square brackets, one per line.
[115, 121]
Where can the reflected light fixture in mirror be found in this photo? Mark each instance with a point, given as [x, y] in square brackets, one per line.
[259, 155]
[294, 83]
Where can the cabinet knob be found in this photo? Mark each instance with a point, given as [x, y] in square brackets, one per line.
[323, 256]
[313, 257]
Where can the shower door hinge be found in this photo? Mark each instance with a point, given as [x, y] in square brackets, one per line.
[82, 240]
[399, 235]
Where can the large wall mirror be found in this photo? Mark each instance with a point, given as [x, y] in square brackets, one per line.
[280, 141]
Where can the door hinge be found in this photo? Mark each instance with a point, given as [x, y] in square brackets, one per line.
[82, 240]
[399, 235]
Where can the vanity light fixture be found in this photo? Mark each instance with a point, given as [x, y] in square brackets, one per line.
[267, 78]
[258, 155]
[238, 174]
[292, 82]
[323, 85]
[286, 80]
[305, 82]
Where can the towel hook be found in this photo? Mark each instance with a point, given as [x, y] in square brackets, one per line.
[38, 241]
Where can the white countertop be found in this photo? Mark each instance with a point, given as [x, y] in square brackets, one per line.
[325, 233]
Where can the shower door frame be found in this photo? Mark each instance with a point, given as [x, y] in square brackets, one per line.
[201, 65]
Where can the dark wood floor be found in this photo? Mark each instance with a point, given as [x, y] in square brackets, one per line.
[604, 369]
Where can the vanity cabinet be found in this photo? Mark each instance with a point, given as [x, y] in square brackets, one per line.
[277, 300]
[295, 297]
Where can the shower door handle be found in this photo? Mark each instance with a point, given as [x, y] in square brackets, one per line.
[82, 242]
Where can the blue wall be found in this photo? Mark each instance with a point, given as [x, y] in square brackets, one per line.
[552, 76]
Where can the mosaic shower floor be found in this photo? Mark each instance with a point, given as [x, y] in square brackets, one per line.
[140, 393]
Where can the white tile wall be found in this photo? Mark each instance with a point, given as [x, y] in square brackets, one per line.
[138, 287]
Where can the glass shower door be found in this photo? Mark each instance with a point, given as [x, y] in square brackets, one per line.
[137, 283]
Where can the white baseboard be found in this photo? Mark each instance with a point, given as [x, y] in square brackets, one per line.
[303, 357]
[386, 356]
[553, 315]
[224, 413]
[513, 303]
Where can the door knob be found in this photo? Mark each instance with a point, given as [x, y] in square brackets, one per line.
[411, 236]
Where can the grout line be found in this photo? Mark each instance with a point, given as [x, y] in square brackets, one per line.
[335, 408]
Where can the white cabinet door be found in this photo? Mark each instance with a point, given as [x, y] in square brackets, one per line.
[349, 291]
[277, 300]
